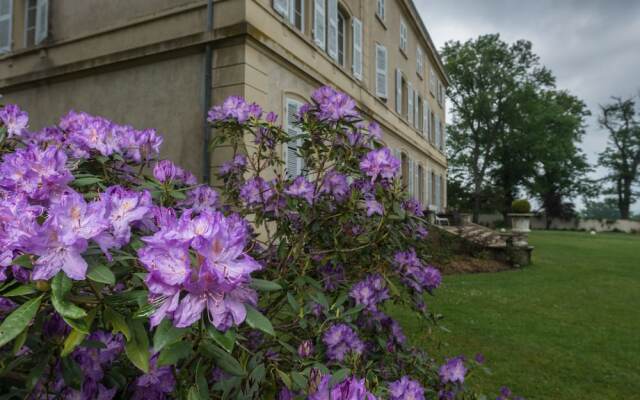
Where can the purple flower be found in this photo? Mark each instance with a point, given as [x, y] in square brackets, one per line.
[332, 276]
[234, 166]
[335, 184]
[453, 370]
[216, 283]
[40, 174]
[286, 394]
[201, 198]
[370, 291]
[156, 384]
[380, 163]
[305, 349]
[479, 357]
[375, 131]
[14, 119]
[333, 106]
[301, 188]
[413, 207]
[349, 389]
[234, 108]
[374, 207]
[165, 171]
[340, 339]
[6, 306]
[55, 327]
[255, 191]
[406, 389]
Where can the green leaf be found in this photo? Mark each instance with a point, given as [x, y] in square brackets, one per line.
[18, 320]
[137, 349]
[177, 195]
[293, 303]
[223, 359]
[167, 334]
[101, 273]
[21, 290]
[86, 181]
[60, 286]
[174, 352]
[20, 340]
[227, 339]
[299, 380]
[77, 336]
[116, 321]
[258, 321]
[339, 376]
[264, 285]
[284, 377]
[23, 261]
[201, 381]
[71, 373]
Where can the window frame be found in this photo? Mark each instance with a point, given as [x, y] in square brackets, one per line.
[404, 33]
[345, 34]
[420, 62]
[26, 22]
[8, 17]
[380, 9]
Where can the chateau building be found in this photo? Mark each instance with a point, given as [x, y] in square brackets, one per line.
[163, 63]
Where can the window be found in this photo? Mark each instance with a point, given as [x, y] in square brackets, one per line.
[433, 188]
[30, 13]
[442, 135]
[438, 133]
[418, 111]
[332, 29]
[380, 9]
[419, 62]
[432, 82]
[342, 38]
[432, 129]
[410, 106]
[357, 48]
[320, 23]
[6, 14]
[381, 71]
[294, 164]
[403, 36]
[296, 14]
[425, 118]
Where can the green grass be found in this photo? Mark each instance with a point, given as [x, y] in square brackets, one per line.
[566, 327]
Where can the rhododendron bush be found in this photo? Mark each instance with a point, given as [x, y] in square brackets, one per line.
[122, 277]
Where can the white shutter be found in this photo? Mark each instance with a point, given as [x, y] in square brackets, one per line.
[416, 109]
[437, 133]
[281, 7]
[419, 61]
[410, 103]
[399, 91]
[381, 9]
[403, 35]
[42, 21]
[293, 163]
[438, 189]
[425, 194]
[398, 155]
[6, 14]
[319, 23]
[444, 135]
[410, 177]
[381, 71]
[357, 47]
[425, 118]
[416, 182]
[332, 29]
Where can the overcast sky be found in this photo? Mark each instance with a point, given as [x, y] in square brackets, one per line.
[592, 46]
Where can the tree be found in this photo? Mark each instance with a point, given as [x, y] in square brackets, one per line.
[560, 173]
[622, 155]
[490, 84]
[606, 209]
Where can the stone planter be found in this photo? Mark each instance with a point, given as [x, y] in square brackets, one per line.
[520, 223]
[465, 218]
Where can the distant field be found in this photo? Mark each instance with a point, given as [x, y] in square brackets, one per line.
[567, 327]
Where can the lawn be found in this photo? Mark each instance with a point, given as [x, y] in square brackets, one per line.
[566, 327]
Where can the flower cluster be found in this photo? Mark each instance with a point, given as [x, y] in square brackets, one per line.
[235, 108]
[333, 106]
[406, 389]
[349, 389]
[14, 119]
[415, 274]
[370, 291]
[340, 340]
[380, 164]
[217, 279]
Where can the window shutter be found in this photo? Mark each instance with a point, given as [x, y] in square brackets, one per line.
[281, 7]
[398, 155]
[437, 133]
[403, 35]
[416, 109]
[416, 182]
[425, 118]
[42, 21]
[425, 202]
[319, 23]
[381, 9]
[410, 103]
[399, 91]
[438, 191]
[293, 163]
[332, 31]
[444, 135]
[410, 177]
[357, 48]
[381, 71]
[6, 17]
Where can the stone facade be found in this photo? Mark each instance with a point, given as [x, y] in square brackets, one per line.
[142, 63]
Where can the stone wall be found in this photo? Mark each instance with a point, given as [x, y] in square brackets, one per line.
[598, 225]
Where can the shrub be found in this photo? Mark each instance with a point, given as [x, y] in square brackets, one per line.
[521, 206]
[117, 283]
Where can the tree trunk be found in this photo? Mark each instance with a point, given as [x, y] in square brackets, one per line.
[624, 200]
[476, 203]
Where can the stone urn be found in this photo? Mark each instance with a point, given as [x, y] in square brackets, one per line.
[520, 227]
[465, 218]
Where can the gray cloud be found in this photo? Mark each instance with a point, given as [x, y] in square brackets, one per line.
[592, 46]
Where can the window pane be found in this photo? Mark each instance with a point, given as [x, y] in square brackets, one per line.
[5, 7]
